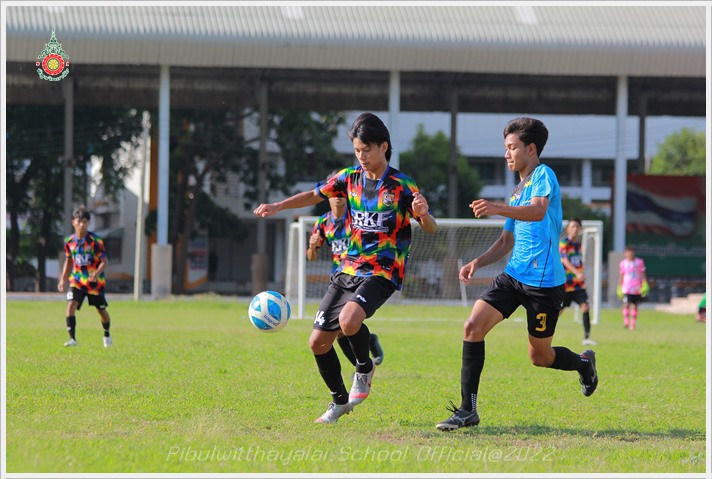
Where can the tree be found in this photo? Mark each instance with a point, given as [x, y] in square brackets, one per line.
[35, 174]
[306, 143]
[205, 146]
[427, 162]
[681, 153]
[208, 146]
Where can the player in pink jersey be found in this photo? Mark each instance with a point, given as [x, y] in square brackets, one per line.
[632, 286]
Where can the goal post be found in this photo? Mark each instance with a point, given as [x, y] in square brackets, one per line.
[431, 272]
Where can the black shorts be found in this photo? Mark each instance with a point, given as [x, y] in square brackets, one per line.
[77, 295]
[506, 294]
[369, 292]
[578, 296]
[632, 299]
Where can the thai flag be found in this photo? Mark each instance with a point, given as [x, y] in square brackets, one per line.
[647, 212]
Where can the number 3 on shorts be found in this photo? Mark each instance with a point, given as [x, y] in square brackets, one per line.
[542, 322]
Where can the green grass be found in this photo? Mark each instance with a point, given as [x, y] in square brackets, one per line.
[191, 386]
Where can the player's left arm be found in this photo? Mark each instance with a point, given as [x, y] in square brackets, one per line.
[422, 213]
[103, 263]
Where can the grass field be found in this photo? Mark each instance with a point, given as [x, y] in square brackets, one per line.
[191, 386]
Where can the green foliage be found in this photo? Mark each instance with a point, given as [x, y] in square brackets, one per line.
[35, 171]
[306, 143]
[427, 162]
[189, 382]
[681, 153]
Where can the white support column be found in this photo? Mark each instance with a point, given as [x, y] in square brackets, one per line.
[68, 91]
[162, 251]
[452, 163]
[164, 107]
[586, 180]
[621, 166]
[260, 259]
[393, 113]
[139, 255]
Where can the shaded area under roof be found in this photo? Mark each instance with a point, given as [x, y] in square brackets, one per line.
[543, 59]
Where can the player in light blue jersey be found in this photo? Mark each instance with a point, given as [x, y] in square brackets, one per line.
[533, 278]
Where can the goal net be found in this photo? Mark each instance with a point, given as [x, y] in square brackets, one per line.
[431, 274]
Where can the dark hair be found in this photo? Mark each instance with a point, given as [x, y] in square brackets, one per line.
[629, 248]
[528, 130]
[576, 220]
[370, 129]
[81, 213]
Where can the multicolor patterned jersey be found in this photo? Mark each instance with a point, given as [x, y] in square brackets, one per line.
[86, 254]
[380, 212]
[535, 259]
[336, 232]
[571, 250]
[632, 272]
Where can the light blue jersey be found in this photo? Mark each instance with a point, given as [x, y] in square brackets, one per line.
[535, 259]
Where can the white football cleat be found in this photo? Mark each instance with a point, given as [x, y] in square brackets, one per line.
[108, 342]
[334, 412]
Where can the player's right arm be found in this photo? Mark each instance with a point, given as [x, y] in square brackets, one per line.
[300, 200]
[535, 211]
[63, 277]
[315, 242]
[497, 251]
[568, 266]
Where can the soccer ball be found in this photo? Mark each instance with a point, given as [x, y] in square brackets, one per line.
[269, 311]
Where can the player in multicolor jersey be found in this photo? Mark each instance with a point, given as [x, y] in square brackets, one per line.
[381, 202]
[632, 286]
[87, 261]
[575, 286]
[533, 278]
[334, 228]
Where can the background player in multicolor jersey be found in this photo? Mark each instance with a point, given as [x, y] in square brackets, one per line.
[632, 286]
[533, 278]
[86, 259]
[575, 286]
[334, 228]
[381, 202]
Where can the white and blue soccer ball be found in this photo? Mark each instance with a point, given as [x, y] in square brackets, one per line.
[269, 311]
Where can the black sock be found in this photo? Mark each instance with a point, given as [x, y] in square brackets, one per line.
[567, 360]
[359, 345]
[586, 325]
[473, 360]
[106, 326]
[330, 370]
[71, 325]
[346, 348]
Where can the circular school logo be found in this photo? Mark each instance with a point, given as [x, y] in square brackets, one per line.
[53, 61]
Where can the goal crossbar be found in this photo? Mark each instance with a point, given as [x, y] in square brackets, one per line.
[432, 266]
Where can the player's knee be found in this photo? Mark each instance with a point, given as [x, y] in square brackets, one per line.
[540, 360]
[318, 346]
[474, 329]
[349, 326]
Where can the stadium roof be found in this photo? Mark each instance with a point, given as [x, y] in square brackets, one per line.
[636, 40]
[503, 58]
